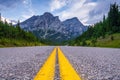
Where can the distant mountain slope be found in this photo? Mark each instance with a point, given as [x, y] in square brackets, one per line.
[49, 27]
[74, 27]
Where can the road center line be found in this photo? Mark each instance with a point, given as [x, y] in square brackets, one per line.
[57, 67]
[47, 71]
[57, 76]
[67, 72]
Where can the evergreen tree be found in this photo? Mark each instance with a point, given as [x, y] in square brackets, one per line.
[113, 17]
[10, 32]
[18, 24]
[109, 25]
[103, 18]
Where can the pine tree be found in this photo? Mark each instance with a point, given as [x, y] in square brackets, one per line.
[103, 18]
[18, 24]
[113, 17]
[5, 22]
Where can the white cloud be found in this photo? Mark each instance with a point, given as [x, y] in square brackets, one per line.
[101, 9]
[26, 1]
[88, 11]
[78, 8]
[57, 4]
[29, 10]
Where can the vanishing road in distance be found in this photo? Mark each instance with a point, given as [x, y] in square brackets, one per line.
[24, 63]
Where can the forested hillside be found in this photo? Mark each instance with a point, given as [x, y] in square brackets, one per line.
[107, 30]
[14, 36]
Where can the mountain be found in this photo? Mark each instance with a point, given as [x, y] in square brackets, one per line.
[50, 27]
[74, 27]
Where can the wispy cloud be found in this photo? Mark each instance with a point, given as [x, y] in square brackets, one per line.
[57, 4]
[7, 4]
[29, 9]
[99, 10]
[77, 8]
[24, 7]
[88, 11]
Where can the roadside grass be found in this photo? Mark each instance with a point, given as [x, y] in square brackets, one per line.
[4, 42]
[108, 42]
[111, 41]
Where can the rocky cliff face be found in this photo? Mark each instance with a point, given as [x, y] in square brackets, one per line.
[49, 27]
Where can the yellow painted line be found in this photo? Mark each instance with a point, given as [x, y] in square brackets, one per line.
[47, 71]
[66, 70]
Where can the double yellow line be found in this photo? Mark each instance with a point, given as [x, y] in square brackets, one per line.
[66, 71]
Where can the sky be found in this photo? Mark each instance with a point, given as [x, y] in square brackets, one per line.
[87, 11]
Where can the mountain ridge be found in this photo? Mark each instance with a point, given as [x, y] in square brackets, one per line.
[50, 27]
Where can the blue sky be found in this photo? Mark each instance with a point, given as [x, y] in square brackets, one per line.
[87, 11]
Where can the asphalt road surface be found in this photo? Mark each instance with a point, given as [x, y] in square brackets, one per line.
[95, 63]
[23, 63]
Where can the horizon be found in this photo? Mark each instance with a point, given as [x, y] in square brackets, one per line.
[88, 12]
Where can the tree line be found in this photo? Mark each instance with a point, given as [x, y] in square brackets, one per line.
[109, 25]
[9, 31]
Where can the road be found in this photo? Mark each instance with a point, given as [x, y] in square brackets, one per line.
[23, 63]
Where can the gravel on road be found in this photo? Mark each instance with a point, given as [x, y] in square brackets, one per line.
[94, 63]
[22, 63]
